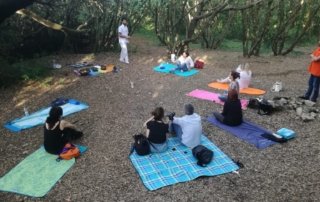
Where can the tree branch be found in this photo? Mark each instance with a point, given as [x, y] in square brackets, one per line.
[244, 7]
[46, 22]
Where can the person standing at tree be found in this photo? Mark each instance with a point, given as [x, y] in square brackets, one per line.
[123, 34]
[314, 80]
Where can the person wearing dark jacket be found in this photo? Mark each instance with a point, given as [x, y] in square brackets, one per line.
[232, 112]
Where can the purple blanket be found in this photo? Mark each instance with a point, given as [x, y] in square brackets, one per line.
[247, 131]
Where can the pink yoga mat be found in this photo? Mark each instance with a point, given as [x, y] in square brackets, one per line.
[214, 97]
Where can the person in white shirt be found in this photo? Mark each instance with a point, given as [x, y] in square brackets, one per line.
[187, 128]
[184, 62]
[124, 37]
[245, 76]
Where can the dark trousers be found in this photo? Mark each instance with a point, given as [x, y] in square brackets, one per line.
[313, 89]
[219, 117]
[71, 134]
[176, 130]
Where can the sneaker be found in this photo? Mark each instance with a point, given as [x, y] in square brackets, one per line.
[277, 87]
[303, 97]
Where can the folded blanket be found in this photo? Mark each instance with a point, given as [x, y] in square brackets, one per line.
[214, 97]
[247, 131]
[177, 164]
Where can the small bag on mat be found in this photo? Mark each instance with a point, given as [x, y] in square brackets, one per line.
[69, 151]
[58, 102]
[141, 144]
[84, 72]
[203, 155]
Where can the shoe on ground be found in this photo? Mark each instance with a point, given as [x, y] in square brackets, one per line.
[303, 97]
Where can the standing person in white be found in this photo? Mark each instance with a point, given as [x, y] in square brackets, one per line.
[123, 33]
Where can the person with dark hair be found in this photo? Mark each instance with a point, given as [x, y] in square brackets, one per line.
[187, 128]
[123, 34]
[232, 112]
[314, 80]
[157, 131]
[57, 132]
[233, 85]
[184, 62]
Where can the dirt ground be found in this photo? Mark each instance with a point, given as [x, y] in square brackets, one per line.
[287, 172]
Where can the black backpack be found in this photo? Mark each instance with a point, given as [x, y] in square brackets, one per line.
[141, 144]
[265, 108]
[202, 154]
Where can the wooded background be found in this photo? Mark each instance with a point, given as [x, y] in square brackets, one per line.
[33, 28]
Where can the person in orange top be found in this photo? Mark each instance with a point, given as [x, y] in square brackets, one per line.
[314, 80]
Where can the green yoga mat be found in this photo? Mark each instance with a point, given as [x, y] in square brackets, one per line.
[36, 174]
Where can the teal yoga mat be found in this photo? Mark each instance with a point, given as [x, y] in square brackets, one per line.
[39, 117]
[166, 67]
[36, 174]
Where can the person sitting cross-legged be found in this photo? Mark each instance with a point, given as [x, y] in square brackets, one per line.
[187, 128]
[184, 63]
[58, 132]
[232, 112]
[157, 131]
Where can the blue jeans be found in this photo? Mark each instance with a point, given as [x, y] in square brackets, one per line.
[182, 67]
[313, 89]
[176, 129]
[158, 148]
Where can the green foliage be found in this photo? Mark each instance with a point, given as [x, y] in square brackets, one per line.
[23, 71]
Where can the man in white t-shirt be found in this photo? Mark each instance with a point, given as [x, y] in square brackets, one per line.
[123, 34]
[187, 128]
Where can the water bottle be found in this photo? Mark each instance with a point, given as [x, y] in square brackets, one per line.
[26, 113]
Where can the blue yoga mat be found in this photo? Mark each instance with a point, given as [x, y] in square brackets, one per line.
[36, 174]
[165, 68]
[247, 131]
[39, 117]
[178, 165]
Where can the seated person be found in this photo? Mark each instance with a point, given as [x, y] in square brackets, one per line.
[187, 128]
[157, 131]
[234, 84]
[232, 112]
[57, 132]
[245, 76]
[184, 62]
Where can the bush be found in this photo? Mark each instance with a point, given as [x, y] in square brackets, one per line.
[23, 71]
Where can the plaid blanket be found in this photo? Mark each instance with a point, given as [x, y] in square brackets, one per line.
[178, 165]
